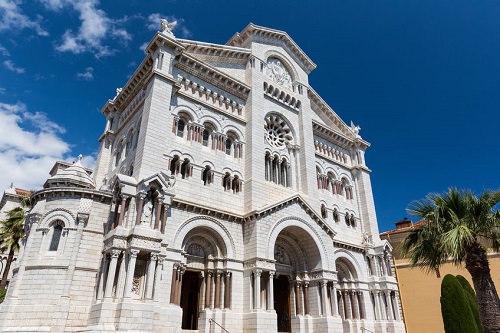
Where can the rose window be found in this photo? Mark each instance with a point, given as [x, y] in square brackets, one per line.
[277, 134]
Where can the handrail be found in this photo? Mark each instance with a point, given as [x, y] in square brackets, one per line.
[216, 323]
[363, 330]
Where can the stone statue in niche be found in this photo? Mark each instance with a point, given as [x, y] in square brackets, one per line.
[147, 210]
[277, 72]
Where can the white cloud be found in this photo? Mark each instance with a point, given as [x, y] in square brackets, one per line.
[4, 51]
[143, 46]
[27, 155]
[153, 24]
[87, 74]
[95, 28]
[13, 18]
[12, 67]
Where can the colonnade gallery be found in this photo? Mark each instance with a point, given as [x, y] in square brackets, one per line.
[227, 197]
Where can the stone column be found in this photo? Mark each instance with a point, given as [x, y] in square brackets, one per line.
[163, 218]
[256, 290]
[227, 293]
[324, 298]
[111, 273]
[140, 205]
[340, 298]
[104, 270]
[208, 291]
[297, 299]
[130, 272]
[270, 292]
[396, 306]
[173, 286]
[151, 275]
[158, 209]
[122, 210]
[348, 307]
[381, 307]
[306, 298]
[362, 307]
[179, 286]
[354, 301]
[159, 268]
[201, 298]
[333, 293]
[217, 290]
[388, 307]
[121, 278]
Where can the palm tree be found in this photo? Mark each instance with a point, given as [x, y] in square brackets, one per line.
[458, 227]
[11, 233]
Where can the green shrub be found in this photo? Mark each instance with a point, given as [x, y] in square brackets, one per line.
[471, 297]
[455, 308]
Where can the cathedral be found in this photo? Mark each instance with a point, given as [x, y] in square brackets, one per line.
[227, 197]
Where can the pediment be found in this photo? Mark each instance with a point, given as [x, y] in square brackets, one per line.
[275, 37]
[295, 199]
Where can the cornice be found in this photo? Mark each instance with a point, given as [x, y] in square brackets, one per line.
[216, 52]
[212, 75]
[254, 30]
[74, 191]
[128, 92]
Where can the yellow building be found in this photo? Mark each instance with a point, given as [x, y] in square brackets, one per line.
[420, 291]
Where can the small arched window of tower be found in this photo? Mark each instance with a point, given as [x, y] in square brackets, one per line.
[236, 184]
[336, 216]
[207, 175]
[57, 229]
[323, 211]
[175, 165]
[186, 169]
[347, 219]
[226, 182]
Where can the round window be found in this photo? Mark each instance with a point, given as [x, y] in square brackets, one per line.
[277, 133]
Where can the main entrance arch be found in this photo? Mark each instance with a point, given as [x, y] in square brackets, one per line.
[297, 258]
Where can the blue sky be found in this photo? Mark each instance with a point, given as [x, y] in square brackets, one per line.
[421, 78]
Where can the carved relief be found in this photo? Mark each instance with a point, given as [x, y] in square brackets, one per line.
[281, 256]
[276, 71]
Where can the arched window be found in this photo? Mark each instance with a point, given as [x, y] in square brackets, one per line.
[236, 184]
[131, 170]
[175, 165]
[226, 182]
[186, 168]
[347, 219]
[268, 161]
[119, 152]
[352, 220]
[336, 216]
[331, 182]
[128, 146]
[207, 175]
[181, 124]
[229, 145]
[56, 236]
[323, 211]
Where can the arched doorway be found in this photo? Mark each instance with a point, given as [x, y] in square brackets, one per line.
[190, 296]
[296, 256]
[282, 303]
[206, 283]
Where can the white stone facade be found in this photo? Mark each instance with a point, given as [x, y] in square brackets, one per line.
[227, 193]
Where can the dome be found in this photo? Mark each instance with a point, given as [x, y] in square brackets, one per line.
[74, 175]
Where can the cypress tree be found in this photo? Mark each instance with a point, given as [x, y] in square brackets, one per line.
[471, 297]
[455, 308]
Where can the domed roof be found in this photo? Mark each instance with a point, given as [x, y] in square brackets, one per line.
[74, 175]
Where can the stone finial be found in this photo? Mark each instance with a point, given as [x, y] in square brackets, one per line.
[167, 27]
